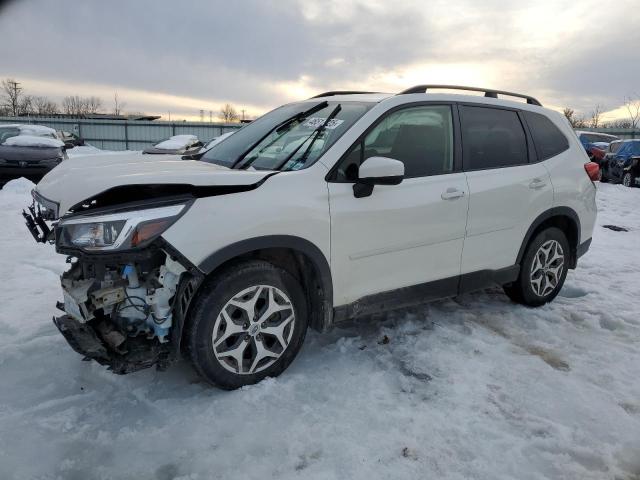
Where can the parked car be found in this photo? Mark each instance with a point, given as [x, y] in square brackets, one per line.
[70, 138]
[176, 145]
[612, 149]
[335, 207]
[622, 163]
[215, 141]
[595, 144]
[28, 151]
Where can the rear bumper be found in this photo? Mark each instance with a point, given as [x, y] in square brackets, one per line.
[90, 343]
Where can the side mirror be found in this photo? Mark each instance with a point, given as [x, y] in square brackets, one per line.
[68, 145]
[377, 171]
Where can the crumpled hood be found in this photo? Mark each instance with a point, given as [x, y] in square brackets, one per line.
[78, 179]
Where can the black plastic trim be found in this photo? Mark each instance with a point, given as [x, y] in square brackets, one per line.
[291, 242]
[398, 298]
[552, 212]
[425, 292]
[485, 278]
[583, 248]
[488, 92]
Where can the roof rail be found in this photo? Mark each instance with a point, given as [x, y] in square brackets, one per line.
[340, 92]
[487, 92]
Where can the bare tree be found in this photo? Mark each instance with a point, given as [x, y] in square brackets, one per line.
[44, 106]
[76, 105]
[228, 113]
[569, 115]
[12, 96]
[633, 107]
[574, 121]
[72, 105]
[26, 106]
[595, 117]
[93, 104]
[118, 106]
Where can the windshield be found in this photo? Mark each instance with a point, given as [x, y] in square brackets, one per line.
[7, 132]
[270, 152]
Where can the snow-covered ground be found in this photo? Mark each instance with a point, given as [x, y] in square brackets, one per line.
[471, 387]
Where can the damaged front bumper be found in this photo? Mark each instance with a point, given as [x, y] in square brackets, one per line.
[125, 301]
[140, 354]
[127, 312]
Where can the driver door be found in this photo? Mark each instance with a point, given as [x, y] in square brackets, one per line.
[407, 234]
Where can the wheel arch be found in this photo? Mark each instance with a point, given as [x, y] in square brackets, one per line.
[564, 218]
[300, 257]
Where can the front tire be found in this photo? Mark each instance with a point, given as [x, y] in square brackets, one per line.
[248, 323]
[543, 269]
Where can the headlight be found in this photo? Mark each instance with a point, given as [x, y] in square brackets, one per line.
[116, 231]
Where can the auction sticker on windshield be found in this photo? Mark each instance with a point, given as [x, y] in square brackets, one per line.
[315, 122]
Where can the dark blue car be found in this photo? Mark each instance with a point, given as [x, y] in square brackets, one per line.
[623, 166]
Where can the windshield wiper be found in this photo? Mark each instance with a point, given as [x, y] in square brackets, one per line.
[315, 134]
[278, 127]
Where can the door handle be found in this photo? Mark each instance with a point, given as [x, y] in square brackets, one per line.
[452, 194]
[537, 183]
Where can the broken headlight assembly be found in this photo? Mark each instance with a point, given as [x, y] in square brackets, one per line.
[116, 231]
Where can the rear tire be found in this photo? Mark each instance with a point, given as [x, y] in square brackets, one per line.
[543, 269]
[248, 323]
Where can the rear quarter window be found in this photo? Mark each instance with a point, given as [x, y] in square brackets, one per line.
[547, 138]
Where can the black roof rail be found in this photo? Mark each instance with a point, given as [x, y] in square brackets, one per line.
[340, 92]
[487, 92]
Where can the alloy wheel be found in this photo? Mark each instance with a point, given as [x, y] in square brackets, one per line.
[547, 268]
[626, 180]
[253, 329]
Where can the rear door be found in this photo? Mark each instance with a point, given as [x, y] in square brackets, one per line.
[407, 234]
[507, 189]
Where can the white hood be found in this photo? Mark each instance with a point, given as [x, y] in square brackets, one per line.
[80, 178]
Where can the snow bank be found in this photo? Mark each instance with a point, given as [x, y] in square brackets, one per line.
[176, 142]
[20, 186]
[471, 387]
[24, 140]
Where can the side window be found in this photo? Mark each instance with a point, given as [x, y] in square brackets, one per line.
[548, 139]
[492, 138]
[420, 137]
[615, 146]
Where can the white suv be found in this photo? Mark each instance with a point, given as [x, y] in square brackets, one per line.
[323, 210]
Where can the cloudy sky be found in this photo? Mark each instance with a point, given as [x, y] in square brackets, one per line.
[183, 56]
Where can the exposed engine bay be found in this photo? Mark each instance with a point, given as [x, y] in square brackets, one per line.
[123, 314]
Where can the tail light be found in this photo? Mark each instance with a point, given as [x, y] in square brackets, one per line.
[593, 170]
